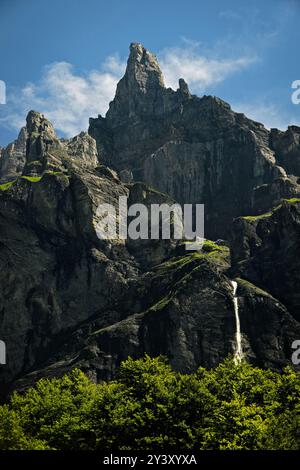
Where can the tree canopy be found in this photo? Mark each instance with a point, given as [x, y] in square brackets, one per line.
[151, 407]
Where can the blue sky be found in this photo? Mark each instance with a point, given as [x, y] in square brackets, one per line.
[64, 57]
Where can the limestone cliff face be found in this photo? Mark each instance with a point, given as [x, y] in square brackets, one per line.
[71, 299]
[195, 149]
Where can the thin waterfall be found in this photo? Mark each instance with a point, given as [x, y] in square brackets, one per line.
[238, 354]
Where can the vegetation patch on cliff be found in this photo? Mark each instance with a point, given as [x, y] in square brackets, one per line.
[209, 251]
[252, 287]
[294, 200]
[6, 186]
[31, 179]
[180, 270]
[257, 217]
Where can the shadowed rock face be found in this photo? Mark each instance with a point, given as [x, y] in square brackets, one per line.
[287, 148]
[52, 263]
[69, 299]
[265, 250]
[195, 149]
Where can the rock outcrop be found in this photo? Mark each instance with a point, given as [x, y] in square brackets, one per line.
[287, 148]
[265, 250]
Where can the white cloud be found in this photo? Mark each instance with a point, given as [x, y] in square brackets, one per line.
[68, 98]
[198, 70]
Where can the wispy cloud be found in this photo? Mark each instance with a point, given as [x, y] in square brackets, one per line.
[69, 98]
[199, 70]
[230, 15]
[269, 114]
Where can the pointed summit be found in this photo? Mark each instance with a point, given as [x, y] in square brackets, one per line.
[41, 137]
[37, 123]
[184, 88]
[143, 68]
[141, 89]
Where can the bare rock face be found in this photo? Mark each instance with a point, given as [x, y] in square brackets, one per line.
[12, 158]
[195, 149]
[287, 148]
[83, 147]
[267, 196]
[265, 250]
[268, 329]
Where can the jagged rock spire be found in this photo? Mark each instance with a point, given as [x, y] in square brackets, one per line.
[30, 145]
[184, 88]
[143, 70]
[41, 136]
[141, 86]
[37, 123]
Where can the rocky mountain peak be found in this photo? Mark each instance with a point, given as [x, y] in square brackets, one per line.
[142, 88]
[143, 68]
[195, 149]
[38, 124]
[41, 138]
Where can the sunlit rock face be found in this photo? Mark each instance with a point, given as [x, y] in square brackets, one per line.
[12, 158]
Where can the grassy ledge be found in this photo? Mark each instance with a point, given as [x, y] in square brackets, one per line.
[6, 186]
[290, 201]
[31, 179]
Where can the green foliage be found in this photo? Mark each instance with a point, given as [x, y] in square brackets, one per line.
[258, 217]
[209, 246]
[12, 435]
[54, 411]
[293, 200]
[32, 179]
[151, 407]
[6, 186]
